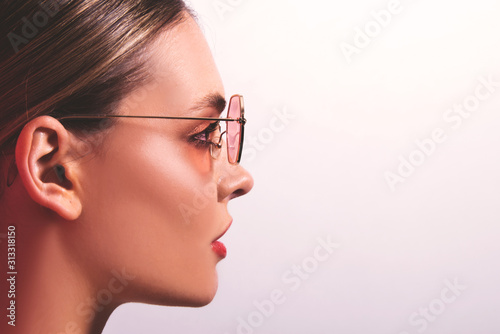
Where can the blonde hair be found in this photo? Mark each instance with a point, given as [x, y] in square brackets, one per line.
[61, 57]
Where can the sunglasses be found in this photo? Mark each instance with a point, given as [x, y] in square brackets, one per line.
[235, 126]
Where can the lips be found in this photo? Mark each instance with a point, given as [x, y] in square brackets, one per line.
[218, 247]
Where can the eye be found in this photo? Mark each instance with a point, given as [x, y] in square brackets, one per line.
[206, 137]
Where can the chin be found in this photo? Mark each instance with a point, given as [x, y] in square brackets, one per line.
[202, 298]
[198, 300]
[199, 296]
[201, 302]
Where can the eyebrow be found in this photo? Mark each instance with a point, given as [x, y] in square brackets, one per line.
[211, 101]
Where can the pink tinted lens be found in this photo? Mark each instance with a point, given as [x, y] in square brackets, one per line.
[233, 129]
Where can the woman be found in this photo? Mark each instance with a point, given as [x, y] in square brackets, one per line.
[98, 209]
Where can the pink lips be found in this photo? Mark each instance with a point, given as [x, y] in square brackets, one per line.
[218, 247]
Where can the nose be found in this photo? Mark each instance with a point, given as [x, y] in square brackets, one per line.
[234, 181]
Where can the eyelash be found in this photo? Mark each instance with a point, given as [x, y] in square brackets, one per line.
[205, 142]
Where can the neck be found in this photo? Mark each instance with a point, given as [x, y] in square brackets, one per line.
[47, 291]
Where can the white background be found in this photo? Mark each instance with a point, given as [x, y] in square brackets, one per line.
[323, 174]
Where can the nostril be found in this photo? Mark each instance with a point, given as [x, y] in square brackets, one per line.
[245, 186]
[238, 193]
[235, 182]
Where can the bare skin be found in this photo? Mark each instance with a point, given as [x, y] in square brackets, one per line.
[133, 221]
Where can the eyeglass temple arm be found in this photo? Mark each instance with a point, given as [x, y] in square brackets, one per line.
[241, 120]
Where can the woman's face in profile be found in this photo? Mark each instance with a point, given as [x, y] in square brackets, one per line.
[153, 198]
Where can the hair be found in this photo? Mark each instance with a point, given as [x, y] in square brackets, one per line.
[62, 57]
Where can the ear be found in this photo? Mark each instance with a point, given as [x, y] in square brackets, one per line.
[43, 151]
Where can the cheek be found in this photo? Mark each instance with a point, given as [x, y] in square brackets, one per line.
[154, 211]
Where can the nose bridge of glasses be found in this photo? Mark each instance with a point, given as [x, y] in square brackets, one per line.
[220, 141]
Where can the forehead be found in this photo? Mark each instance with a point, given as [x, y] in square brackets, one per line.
[182, 64]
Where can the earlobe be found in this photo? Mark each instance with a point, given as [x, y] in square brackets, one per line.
[42, 149]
